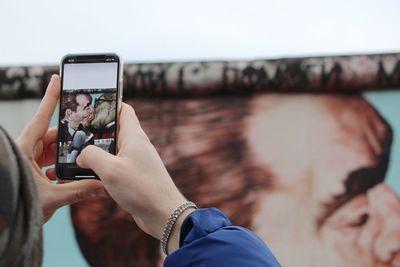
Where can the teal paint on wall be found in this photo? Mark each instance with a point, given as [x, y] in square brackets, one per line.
[388, 104]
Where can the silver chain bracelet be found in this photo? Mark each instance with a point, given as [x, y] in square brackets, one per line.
[171, 222]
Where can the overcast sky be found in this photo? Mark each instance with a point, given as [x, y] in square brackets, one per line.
[41, 32]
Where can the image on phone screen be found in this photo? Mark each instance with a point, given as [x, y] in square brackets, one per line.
[88, 113]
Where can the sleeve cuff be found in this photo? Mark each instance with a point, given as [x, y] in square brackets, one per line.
[201, 223]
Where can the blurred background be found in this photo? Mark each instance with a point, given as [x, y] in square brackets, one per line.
[41, 32]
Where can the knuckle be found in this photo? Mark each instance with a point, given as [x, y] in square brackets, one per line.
[78, 195]
[22, 144]
[112, 173]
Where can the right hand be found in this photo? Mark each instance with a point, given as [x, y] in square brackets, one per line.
[136, 177]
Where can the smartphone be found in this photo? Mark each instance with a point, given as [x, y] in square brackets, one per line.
[90, 99]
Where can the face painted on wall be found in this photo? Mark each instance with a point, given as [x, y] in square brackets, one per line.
[316, 194]
[328, 205]
[80, 111]
[104, 111]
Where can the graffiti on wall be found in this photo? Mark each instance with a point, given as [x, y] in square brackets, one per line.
[336, 73]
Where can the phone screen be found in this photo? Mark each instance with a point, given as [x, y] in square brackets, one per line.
[88, 110]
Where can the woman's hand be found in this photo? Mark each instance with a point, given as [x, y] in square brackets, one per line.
[39, 145]
[136, 178]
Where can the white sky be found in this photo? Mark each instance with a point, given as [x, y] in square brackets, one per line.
[41, 32]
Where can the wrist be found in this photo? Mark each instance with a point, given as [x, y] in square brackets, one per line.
[153, 221]
[171, 222]
[173, 242]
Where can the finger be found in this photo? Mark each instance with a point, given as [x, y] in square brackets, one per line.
[38, 126]
[97, 159]
[50, 136]
[129, 123]
[73, 192]
[49, 155]
[51, 174]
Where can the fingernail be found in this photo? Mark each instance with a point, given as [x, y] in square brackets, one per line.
[53, 76]
[78, 161]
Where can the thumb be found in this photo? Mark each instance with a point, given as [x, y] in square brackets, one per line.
[95, 158]
[70, 193]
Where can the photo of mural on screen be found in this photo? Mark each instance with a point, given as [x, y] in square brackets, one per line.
[88, 109]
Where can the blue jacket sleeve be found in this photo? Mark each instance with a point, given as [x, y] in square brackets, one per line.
[213, 241]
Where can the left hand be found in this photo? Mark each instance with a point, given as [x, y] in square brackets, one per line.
[39, 145]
